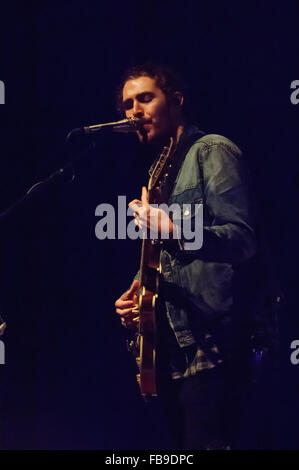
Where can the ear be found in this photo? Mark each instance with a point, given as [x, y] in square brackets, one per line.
[178, 98]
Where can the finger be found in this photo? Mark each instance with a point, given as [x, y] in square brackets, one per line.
[124, 311]
[128, 324]
[135, 201]
[125, 323]
[144, 196]
[128, 295]
[124, 303]
[135, 285]
[141, 224]
[136, 208]
[124, 296]
[140, 221]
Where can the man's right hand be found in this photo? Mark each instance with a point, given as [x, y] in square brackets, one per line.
[124, 305]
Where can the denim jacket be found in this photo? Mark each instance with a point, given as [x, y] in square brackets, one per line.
[198, 285]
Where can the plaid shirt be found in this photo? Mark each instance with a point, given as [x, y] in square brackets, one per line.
[199, 362]
[188, 361]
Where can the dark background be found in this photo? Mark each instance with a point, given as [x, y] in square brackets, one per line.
[68, 382]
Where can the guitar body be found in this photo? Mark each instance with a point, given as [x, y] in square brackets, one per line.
[144, 347]
[148, 297]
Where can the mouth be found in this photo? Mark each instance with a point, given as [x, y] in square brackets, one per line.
[145, 126]
[144, 122]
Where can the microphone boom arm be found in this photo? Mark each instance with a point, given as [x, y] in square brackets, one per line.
[125, 125]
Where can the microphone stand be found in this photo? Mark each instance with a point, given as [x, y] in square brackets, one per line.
[41, 186]
[49, 180]
[125, 125]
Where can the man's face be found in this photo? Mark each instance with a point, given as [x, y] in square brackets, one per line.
[143, 99]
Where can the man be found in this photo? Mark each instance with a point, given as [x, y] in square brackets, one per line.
[203, 325]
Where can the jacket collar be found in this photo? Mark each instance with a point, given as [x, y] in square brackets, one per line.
[190, 134]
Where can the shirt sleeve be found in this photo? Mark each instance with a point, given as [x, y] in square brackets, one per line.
[228, 233]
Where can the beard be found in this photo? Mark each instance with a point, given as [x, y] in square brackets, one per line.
[154, 143]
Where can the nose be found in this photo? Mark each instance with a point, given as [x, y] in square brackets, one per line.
[137, 109]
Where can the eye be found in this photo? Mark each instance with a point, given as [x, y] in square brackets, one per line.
[146, 97]
[128, 104]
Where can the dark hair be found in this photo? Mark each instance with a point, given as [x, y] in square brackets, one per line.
[166, 79]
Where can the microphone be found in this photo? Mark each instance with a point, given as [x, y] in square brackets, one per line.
[125, 125]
